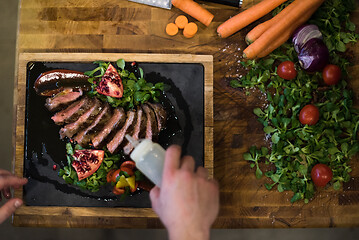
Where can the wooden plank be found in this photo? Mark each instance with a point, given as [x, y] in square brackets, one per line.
[69, 216]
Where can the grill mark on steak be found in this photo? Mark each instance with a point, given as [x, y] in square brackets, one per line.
[151, 124]
[161, 115]
[72, 112]
[83, 121]
[138, 130]
[84, 137]
[117, 119]
[117, 140]
[67, 96]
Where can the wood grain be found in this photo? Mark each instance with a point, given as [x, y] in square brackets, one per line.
[119, 26]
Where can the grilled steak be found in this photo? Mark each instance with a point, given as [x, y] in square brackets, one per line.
[161, 115]
[117, 119]
[151, 124]
[67, 96]
[116, 141]
[72, 113]
[83, 121]
[84, 137]
[138, 130]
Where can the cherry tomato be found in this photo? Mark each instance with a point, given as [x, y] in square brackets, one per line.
[321, 175]
[286, 70]
[118, 191]
[128, 170]
[115, 175]
[309, 114]
[109, 175]
[129, 164]
[331, 74]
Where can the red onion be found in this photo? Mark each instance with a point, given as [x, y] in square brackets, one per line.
[314, 55]
[303, 34]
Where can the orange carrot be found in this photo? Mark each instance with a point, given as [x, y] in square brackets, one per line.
[268, 37]
[256, 32]
[190, 30]
[181, 21]
[246, 17]
[171, 29]
[195, 10]
[285, 36]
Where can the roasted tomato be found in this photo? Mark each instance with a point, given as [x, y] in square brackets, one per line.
[118, 191]
[109, 175]
[321, 174]
[111, 83]
[309, 114]
[331, 74]
[286, 70]
[115, 174]
[86, 162]
[129, 164]
[127, 170]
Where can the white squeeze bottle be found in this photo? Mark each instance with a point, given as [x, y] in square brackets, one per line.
[149, 158]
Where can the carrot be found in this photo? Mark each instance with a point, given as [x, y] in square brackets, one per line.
[268, 37]
[190, 30]
[181, 21]
[285, 36]
[171, 29]
[246, 17]
[256, 32]
[195, 10]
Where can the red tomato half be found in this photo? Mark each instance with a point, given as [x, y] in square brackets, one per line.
[109, 175]
[118, 191]
[129, 164]
[331, 74]
[115, 175]
[321, 175]
[128, 170]
[286, 70]
[309, 114]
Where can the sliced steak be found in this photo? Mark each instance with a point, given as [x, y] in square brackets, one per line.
[117, 119]
[151, 124]
[161, 115]
[117, 140]
[139, 130]
[66, 97]
[72, 112]
[84, 137]
[83, 121]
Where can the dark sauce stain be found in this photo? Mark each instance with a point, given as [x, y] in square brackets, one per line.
[43, 147]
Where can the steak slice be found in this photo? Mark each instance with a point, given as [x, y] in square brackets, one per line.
[117, 119]
[67, 96]
[72, 112]
[161, 115]
[138, 130]
[151, 124]
[83, 121]
[116, 141]
[84, 137]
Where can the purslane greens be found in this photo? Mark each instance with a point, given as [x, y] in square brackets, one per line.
[296, 148]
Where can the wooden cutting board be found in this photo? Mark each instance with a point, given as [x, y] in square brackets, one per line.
[117, 26]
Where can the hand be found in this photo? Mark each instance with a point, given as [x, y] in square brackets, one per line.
[8, 181]
[187, 202]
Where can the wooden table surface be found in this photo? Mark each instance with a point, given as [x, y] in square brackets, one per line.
[119, 26]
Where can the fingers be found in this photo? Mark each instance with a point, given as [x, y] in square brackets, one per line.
[6, 193]
[5, 172]
[202, 172]
[9, 208]
[154, 196]
[172, 160]
[188, 163]
[7, 181]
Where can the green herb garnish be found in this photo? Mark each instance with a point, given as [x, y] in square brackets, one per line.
[296, 148]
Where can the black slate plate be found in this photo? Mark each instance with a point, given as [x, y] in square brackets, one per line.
[43, 148]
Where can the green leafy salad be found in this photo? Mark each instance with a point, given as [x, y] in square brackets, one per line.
[296, 148]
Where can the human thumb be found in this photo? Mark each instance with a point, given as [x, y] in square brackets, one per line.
[9, 208]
